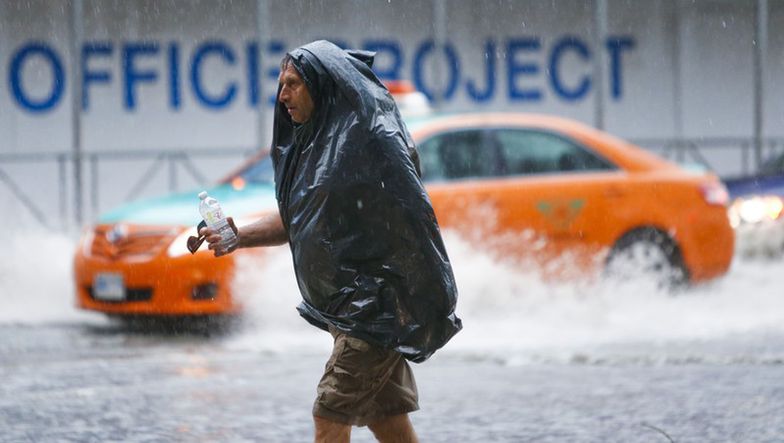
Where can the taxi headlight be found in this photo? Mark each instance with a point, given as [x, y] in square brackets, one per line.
[86, 242]
[756, 209]
[180, 244]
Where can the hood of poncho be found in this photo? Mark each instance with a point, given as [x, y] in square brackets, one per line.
[367, 250]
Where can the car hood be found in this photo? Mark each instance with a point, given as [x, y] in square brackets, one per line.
[183, 208]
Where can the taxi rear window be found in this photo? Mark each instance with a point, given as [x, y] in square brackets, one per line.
[538, 152]
[498, 152]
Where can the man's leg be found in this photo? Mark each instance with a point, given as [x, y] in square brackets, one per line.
[328, 431]
[395, 429]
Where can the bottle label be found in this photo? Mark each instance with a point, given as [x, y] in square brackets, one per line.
[213, 217]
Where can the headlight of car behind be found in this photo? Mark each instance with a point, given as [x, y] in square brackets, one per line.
[755, 209]
[180, 244]
[86, 242]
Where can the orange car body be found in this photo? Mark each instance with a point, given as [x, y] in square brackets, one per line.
[572, 216]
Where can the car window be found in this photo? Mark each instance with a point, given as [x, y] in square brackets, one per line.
[537, 152]
[457, 155]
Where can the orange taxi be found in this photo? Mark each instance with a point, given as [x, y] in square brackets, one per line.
[531, 189]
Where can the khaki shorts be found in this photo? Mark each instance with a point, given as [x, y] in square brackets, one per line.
[363, 383]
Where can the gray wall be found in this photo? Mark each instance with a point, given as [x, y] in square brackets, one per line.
[667, 69]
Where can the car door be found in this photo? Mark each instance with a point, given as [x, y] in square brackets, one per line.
[456, 166]
[538, 195]
[559, 190]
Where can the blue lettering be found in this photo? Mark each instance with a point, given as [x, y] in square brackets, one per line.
[567, 72]
[489, 91]
[15, 77]
[392, 70]
[223, 51]
[615, 46]
[131, 74]
[569, 43]
[252, 52]
[453, 64]
[277, 48]
[101, 49]
[175, 97]
[516, 68]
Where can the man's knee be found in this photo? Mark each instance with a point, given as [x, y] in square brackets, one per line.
[395, 429]
[328, 431]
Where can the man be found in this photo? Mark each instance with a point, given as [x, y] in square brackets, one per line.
[367, 252]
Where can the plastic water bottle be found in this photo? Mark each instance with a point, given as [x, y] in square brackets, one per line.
[210, 210]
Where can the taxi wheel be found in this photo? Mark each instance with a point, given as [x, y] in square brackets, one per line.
[647, 253]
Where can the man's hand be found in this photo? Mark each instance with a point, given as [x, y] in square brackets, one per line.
[267, 231]
[214, 239]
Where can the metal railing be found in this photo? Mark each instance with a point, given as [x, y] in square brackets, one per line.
[700, 150]
[703, 150]
[174, 162]
[61, 159]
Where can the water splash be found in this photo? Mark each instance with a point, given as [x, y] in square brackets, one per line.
[512, 314]
[36, 279]
[509, 313]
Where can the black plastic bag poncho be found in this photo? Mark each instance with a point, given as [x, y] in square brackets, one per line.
[368, 254]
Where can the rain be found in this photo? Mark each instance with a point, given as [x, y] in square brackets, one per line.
[114, 115]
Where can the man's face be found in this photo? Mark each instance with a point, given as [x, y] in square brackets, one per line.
[294, 95]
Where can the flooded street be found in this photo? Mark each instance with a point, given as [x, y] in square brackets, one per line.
[387, 145]
[103, 383]
[536, 362]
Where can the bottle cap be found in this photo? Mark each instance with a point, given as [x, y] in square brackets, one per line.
[203, 195]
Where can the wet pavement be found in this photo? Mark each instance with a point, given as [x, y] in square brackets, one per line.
[536, 362]
[100, 382]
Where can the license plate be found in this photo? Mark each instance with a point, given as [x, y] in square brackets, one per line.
[109, 287]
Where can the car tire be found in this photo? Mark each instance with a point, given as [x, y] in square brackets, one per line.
[650, 254]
